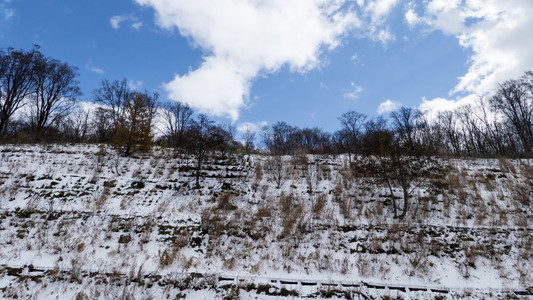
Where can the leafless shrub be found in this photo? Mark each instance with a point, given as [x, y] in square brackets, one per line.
[299, 159]
[263, 212]
[81, 296]
[291, 212]
[345, 266]
[521, 220]
[286, 202]
[324, 172]
[224, 201]
[229, 264]
[526, 169]
[463, 214]
[75, 270]
[471, 253]
[418, 265]
[481, 211]
[213, 222]
[311, 177]
[255, 186]
[365, 267]
[100, 200]
[506, 165]
[319, 204]
[166, 257]
[99, 158]
[258, 171]
[522, 192]
[345, 206]
[488, 180]
[276, 169]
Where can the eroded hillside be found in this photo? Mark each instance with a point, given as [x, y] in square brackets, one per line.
[84, 221]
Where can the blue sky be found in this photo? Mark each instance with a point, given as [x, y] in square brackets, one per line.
[303, 61]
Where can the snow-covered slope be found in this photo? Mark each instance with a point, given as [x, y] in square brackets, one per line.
[78, 220]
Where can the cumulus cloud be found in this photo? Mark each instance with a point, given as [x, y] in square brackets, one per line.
[379, 9]
[375, 13]
[432, 107]
[497, 33]
[411, 16]
[388, 106]
[251, 127]
[244, 39]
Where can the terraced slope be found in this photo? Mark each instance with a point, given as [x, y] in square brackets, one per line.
[82, 221]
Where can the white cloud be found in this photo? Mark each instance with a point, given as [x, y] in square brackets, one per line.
[116, 20]
[246, 39]
[411, 17]
[137, 25]
[384, 36]
[432, 107]
[97, 70]
[253, 127]
[135, 84]
[379, 9]
[497, 32]
[353, 92]
[89, 66]
[6, 13]
[388, 106]
[375, 14]
[355, 58]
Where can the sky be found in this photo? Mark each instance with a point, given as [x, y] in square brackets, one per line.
[305, 62]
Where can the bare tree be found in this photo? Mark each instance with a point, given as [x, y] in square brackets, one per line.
[276, 169]
[199, 141]
[446, 124]
[16, 82]
[113, 96]
[176, 116]
[76, 126]
[224, 137]
[514, 100]
[314, 140]
[248, 136]
[54, 93]
[102, 124]
[281, 138]
[397, 161]
[353, 124]
[408, 123]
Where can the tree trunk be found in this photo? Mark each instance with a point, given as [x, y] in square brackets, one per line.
[405, 201]
[393, 199]
[198, 168]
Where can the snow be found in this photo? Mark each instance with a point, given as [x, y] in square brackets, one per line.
[84, 209]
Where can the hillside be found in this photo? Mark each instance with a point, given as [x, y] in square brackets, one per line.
[82, 222]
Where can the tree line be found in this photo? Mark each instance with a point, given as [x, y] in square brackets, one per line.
[44, 87]
[39, 102]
